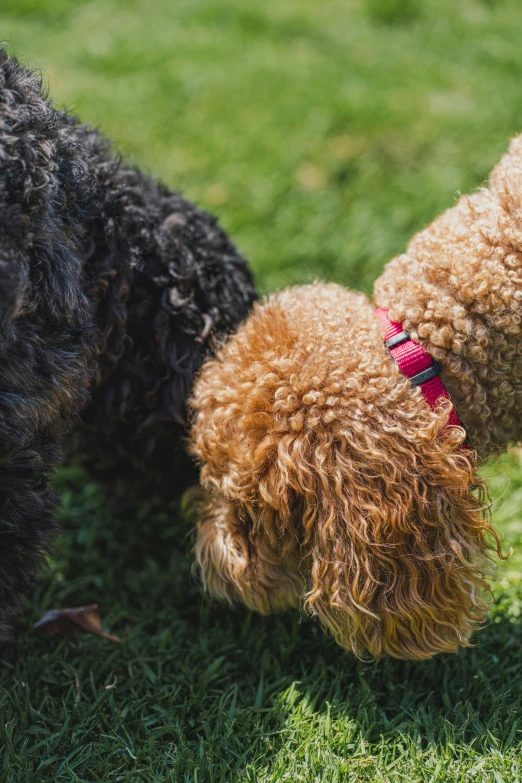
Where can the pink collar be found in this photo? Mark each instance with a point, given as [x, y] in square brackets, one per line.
[415, 363]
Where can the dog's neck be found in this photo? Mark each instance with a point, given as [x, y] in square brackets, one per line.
[415, 363]
[458, 292]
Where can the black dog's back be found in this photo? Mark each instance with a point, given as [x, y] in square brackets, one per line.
[112, 291]
[165, 283]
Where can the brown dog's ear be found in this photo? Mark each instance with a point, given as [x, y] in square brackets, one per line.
[397, 553]
[235, 563]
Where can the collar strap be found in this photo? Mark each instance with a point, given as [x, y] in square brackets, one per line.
[415, 363]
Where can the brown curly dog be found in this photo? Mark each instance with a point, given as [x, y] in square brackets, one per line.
[327, 480]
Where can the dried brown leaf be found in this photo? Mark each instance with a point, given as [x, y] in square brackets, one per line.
[73, 622]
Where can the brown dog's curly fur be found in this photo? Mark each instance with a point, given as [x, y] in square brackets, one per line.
[326, 477]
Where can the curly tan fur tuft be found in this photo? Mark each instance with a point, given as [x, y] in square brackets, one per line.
[334, 468]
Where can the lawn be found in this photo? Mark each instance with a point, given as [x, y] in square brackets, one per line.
[323, 134]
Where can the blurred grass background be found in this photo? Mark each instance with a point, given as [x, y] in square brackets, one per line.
[323, 135]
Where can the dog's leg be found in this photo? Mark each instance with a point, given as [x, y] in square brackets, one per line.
[26, 525]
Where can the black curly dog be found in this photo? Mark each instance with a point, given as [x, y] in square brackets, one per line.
[112, 291]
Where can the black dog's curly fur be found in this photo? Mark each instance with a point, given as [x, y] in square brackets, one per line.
[112, 291]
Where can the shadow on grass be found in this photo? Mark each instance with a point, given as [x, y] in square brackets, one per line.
[206, 688]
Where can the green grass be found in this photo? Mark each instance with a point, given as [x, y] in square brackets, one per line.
[323, 134]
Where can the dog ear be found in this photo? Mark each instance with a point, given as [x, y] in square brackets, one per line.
[235, 562]
[395, 548]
